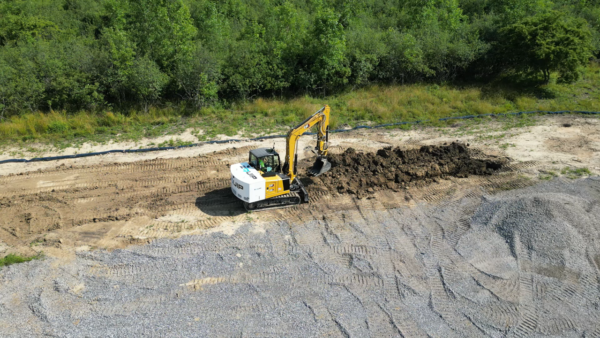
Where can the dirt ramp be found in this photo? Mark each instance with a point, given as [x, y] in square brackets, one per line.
[363, 173]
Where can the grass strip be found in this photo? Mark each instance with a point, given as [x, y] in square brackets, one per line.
[15, 259]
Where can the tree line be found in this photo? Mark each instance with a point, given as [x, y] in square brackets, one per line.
[98, 54]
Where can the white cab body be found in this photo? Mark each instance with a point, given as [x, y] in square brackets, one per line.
[246, 183]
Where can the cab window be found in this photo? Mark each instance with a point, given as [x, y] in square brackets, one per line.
[269, 164]
[253, 161]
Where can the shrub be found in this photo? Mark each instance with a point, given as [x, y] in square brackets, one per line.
[58, 127]
[546, 43]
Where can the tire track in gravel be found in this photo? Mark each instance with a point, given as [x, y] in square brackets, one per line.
[365, 270]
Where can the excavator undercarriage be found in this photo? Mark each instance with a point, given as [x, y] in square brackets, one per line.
[287, 200]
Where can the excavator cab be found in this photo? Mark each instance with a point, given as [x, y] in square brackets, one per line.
[266, 161]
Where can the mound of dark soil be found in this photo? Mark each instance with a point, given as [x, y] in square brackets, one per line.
[362, 173]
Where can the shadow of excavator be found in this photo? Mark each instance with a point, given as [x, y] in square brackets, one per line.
[220, 202]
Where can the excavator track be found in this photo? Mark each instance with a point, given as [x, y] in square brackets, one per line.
[283, 201]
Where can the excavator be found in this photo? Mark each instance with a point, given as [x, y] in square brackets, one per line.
[263, 183]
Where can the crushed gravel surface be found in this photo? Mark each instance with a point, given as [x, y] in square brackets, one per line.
[521, 263]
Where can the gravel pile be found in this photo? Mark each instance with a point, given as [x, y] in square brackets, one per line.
[522, 263]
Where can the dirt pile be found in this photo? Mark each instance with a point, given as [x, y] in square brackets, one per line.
[363, 173]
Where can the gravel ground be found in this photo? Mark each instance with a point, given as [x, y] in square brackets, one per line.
[522, 263]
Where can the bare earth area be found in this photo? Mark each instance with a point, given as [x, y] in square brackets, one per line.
[409, 235]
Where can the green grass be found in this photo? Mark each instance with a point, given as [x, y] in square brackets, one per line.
[575, 173]
[548, 175]
[15, 259]
[174, 143]
[371, 105]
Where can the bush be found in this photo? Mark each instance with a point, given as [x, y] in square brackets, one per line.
[546, 43]
[197, 79]
[403, 59]
[57, 127]
[20, 88]
[146, 81]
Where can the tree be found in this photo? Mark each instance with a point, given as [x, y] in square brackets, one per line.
[247, 69]
[161, 29]
[15, 28]
[18, 23]
[20, 88]
[326, 53]
[121, 56]
[365, 49]
[447, 41]
[146, 81]
[86, 54]
[197, 79]
[546, 43]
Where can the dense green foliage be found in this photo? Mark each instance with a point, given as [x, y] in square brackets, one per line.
[117, 54]
[546, 43]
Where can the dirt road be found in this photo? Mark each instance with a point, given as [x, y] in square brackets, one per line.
[112, 206]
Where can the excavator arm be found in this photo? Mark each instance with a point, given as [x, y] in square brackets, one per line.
[291, 156]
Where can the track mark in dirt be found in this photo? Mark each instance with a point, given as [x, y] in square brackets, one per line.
[171, 197]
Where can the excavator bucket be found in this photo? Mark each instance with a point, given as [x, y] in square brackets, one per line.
[321, 166]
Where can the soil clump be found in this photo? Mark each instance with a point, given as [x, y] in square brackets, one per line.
[394, 168]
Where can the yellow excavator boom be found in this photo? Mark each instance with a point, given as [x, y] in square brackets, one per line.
[291, 156]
